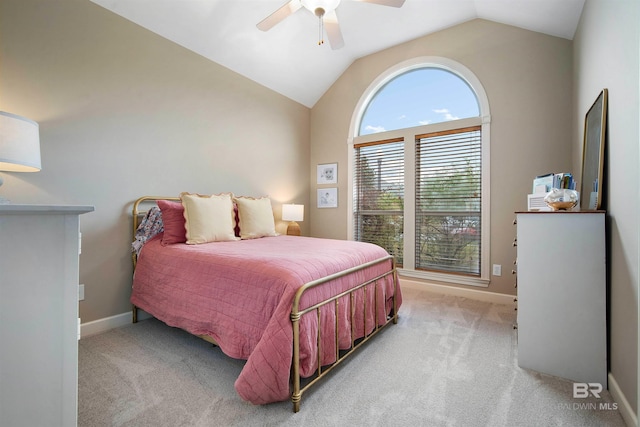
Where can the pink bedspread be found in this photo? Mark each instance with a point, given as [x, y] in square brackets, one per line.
[240, 293]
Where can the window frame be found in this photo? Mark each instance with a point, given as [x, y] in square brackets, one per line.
[396, 156]
[409, 137]
[471, 137]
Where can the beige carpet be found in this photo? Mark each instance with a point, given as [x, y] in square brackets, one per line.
[450, 361]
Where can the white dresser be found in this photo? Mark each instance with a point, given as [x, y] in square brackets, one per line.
[561, 268]
[39, 248]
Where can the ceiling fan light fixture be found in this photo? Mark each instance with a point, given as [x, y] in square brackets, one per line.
[320, 7]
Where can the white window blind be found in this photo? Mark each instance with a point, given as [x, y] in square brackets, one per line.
[448, 201]
[379, 195]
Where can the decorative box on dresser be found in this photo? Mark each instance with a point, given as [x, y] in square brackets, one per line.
[39, 249]
[561, 283]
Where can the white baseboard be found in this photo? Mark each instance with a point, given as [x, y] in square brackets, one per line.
[103, 325]
[624, 407]
[475, 294]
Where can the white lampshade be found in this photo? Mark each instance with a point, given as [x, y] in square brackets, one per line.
[19, 144]
[292, 212]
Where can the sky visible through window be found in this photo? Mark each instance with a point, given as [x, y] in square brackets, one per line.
[419, 97]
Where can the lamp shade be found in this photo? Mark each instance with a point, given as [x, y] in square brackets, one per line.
[292, 212]
[19, 144]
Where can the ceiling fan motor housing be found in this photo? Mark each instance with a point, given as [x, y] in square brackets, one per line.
[320, 7]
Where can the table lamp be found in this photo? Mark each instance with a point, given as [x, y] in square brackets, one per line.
[19, 145]
[293, 213]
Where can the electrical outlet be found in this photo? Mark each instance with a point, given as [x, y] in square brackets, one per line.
[80, 292]
[497, 270]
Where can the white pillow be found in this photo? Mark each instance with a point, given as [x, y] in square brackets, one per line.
[255, 217]
[208, 218]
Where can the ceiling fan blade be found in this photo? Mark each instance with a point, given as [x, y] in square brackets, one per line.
[331, 26]
[279, 15]
[392, 3]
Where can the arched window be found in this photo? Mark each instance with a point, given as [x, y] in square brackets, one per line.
[419, 97]
[419, 170]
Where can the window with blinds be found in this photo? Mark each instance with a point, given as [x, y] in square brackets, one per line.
[379, 195]
[448, 201]
[419, 158]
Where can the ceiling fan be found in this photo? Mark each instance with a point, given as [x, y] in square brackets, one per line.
[325, 10]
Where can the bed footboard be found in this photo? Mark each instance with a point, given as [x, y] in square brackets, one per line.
[341, 355]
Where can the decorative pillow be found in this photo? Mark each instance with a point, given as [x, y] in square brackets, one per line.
[208, 218]
[173, 219]
[255, 217]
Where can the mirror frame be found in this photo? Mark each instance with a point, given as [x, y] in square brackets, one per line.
[595, 127]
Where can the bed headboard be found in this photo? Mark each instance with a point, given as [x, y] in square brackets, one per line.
[140, 208]
[142, 205]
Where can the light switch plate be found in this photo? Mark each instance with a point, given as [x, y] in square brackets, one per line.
[497, 270]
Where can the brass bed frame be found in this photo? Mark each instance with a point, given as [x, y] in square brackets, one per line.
[300, 385]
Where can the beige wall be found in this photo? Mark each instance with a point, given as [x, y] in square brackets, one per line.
[125, 113]
[527, 78]
[606, 55]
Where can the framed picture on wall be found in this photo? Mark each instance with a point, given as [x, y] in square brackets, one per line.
[328, 173]
[328, 197]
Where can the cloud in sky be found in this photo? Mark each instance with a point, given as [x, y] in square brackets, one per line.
[446, 113]
[375, 129]
[425, 122]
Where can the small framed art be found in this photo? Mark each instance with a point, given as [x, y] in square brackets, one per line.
[328, 197]
[328, 173]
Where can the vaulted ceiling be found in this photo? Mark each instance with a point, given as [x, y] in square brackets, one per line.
[288, 59]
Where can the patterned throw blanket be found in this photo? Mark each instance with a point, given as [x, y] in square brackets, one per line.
[150, 225]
